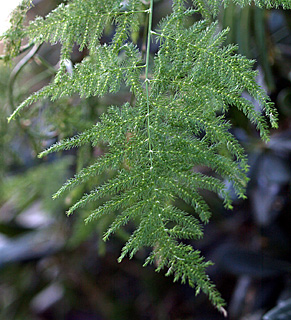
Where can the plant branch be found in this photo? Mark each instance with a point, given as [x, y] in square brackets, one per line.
[147, 79]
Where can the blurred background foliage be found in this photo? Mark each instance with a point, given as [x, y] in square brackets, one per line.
[55, 267]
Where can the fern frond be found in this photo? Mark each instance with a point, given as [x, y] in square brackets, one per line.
[14, 35]
[175, 121]
[77, 141]
[264, 3]
[110, 160]
[210, 8]
[124, 180]
[84, 22]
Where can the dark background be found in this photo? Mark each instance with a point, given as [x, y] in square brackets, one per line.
[55, 267]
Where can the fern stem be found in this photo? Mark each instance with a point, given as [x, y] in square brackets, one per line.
[147, 79]
[128, 12]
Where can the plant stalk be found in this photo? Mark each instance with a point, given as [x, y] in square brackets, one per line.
[147, 79]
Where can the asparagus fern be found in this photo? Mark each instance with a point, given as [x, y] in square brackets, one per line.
[174, 122]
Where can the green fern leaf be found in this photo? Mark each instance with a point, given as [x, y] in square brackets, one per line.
[176, 121]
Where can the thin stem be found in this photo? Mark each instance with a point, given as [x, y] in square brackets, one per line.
[147, 78]
[15, 72]
[129, 12]
[144, 37]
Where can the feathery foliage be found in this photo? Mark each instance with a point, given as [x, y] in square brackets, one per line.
[174, 122]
